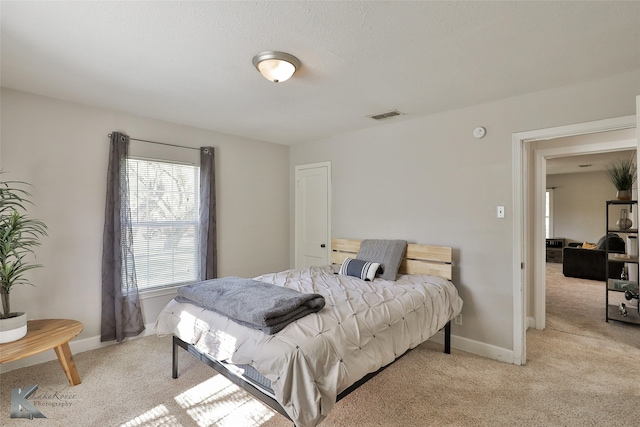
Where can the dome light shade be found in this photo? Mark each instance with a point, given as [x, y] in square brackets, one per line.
[276, 66]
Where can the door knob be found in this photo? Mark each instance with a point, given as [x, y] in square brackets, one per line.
[323, 245]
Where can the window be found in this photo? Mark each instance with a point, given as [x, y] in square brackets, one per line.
[548, 214]
[164, 200]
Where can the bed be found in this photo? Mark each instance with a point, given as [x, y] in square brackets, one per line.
[304, 369]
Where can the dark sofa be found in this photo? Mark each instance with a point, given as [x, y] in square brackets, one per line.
[590, 263]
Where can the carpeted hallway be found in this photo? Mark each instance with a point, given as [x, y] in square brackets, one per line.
[581, 371]
[577, 306]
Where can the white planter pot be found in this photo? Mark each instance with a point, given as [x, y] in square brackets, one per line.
[13, 328]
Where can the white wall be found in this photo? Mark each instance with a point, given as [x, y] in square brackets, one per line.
[429, 181]
[62, 149]
[579, 205]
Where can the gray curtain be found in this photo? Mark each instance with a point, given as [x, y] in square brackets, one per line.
[121, 313]
[208, 245]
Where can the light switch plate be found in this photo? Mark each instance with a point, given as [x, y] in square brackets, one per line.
[500, 211]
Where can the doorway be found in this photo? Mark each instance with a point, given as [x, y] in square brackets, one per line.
[529, 165]
[579, 147]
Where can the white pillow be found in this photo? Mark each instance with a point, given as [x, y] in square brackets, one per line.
[364, 270]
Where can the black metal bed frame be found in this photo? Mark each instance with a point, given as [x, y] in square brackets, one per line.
[255, 390]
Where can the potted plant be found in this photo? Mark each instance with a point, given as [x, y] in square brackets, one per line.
[19, 235]
[622, 174]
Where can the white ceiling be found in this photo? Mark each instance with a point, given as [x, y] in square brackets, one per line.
[587, 162]
[190, 62]
[596, 162]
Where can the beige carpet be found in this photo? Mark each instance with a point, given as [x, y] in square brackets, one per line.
[581, 371]
[577, 306]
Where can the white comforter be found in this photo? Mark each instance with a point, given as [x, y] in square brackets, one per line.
[363, 326]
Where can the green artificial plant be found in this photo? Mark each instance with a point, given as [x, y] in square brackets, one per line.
[622, 174]
[19, 235]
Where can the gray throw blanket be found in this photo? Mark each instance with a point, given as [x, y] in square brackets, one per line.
[254, 304]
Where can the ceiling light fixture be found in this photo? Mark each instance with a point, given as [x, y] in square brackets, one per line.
[276, 66]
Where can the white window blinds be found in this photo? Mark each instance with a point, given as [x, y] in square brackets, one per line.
[164, 214]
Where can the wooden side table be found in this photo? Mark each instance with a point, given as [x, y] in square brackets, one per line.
[44, 335]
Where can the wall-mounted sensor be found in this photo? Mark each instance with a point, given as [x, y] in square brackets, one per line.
[479, 132]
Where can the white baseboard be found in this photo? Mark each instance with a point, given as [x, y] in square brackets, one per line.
[476, 347]
[76, 346]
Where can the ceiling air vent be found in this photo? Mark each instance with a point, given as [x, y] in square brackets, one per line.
[386, 115]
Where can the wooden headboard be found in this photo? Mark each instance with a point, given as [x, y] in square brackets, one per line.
[418, 259]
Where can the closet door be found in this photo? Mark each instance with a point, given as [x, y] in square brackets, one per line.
[313, 215]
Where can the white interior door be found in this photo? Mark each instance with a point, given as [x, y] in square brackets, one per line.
[313, 214]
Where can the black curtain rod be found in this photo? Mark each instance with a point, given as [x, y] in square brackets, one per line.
[161, 143]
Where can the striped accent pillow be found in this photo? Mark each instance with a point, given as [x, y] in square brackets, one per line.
[365, 270]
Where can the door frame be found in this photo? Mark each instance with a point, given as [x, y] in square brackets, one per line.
[299, 168]
[528, 207]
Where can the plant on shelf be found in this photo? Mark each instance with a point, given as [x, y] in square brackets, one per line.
[19, 235]
[622, 174]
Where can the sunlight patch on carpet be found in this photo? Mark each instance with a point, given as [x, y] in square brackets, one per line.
[218, 401]
[251, 414]
[158, 416]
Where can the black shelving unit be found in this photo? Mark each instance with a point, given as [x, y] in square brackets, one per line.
[625, 290]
